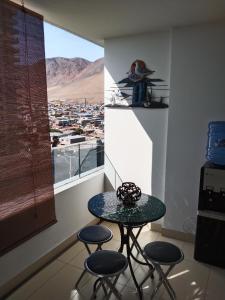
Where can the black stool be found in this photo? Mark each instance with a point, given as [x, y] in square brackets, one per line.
[95, 235]
[105, 265]
[163, 253]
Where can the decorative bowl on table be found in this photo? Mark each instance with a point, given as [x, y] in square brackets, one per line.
[128, 193]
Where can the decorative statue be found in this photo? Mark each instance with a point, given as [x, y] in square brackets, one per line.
[138, 71]
[137, 74]
[142, 87]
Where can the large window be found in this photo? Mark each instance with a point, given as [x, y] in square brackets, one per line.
[75, 85]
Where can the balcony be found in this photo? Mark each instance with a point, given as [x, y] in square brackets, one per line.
[162, 151]
[76, 161]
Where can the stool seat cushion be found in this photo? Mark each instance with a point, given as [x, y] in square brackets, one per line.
[95, 234]
[106, 263]
[163, 252]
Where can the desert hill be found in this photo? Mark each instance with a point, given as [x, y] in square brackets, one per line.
[74, 79]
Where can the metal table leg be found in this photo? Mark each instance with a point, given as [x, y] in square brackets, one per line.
[129, 255]
[125, 241]
[122, 238]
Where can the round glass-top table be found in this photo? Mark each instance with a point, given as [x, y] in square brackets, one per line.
[108, 207]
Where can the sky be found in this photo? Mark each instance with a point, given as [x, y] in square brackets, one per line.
[60, 43]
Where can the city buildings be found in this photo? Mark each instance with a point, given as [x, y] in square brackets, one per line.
[70, 119]
[79, 130]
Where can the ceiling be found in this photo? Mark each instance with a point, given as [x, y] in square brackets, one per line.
[97, 20]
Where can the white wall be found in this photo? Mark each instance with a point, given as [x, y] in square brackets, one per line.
[135, 142]
[71, 213]
[197, 97]
[135, 138]
[152, 48]
[192, 60]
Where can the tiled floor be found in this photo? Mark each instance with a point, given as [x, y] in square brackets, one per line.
[190, 279]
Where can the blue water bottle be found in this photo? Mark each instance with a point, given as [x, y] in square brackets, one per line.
[216, 143]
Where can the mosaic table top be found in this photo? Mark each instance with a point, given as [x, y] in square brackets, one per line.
[108, 207]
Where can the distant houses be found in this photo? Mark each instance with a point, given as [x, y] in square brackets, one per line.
[73, 123]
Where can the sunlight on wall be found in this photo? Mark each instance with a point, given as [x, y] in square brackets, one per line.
[129, 147]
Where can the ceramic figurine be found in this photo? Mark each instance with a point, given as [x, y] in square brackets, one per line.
[141, 86]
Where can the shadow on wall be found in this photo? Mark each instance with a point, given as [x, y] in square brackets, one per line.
[108, 187]
[129, 149]
[154, 122]
[112, 179]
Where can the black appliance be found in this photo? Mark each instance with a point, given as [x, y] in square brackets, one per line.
[210, 233]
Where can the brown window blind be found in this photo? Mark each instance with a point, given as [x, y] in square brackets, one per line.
[26, 182]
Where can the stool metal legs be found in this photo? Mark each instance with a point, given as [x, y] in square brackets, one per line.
[112, 288]
[101, 282]
[79, 279]
[163, 280]
[99, 247]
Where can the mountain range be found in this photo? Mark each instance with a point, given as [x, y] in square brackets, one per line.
[75, 79]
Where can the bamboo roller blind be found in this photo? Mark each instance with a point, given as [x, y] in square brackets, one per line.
[26, 182]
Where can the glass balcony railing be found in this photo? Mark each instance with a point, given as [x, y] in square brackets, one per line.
[75, 161]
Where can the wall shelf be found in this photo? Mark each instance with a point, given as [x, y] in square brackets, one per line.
[116, 106]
